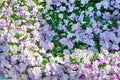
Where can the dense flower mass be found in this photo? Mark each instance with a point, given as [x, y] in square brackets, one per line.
[60, 39]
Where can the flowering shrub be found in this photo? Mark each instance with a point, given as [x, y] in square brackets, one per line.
[60, 39]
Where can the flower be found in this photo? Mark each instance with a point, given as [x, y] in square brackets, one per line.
[62, 8]
[60, 16]
[98, 5]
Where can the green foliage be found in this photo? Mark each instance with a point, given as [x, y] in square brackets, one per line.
[15, 17]
[22, 1]
[17, 35]
[29, 30]
[81, 60]
[78, 45]
[25, 37]
[12, 44]
[102, 66]
[73, 60]
[38, 44]
[39, 3]
[93, 57]
[96, 39]
[44, 62]
[10, 53]
[32, 22]
[30, 8]
[114, 22]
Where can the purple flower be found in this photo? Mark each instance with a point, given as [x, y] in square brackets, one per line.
[1, 50]
[82, 76]
[66, 42]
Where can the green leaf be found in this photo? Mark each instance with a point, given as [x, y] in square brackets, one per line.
[32, 22]
[38, 44]
[12, 43]
[60, 54]
[73, 59]
[17, 35]
[15, 17]
[114, 23]
[99, 18]
[25, 37]
[87, 19]
[53, 52]
[18, 52]
[44, 62]
[81, 60]
[29, 30]
[22, 23]
[102, 66]
[22, 1]
[43, 75]
[93, 57]
[10, 53]
[30, 8]
[56, 43]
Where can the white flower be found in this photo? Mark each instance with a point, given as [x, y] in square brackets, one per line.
[98, 5]
[62, 8]
[65, 76]
[88, 30]
[105, 4]
[84, 1]
[70, 35]
[72, 1]
[116, 47]
[90, 8]
[66, 22]
[66, 51]
[71, 8]
[60, 16]
[72, 15]
[118, 1]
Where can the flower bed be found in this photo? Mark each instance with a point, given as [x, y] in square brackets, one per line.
[60, 39]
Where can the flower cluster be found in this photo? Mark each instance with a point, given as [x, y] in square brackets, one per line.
[60, 39]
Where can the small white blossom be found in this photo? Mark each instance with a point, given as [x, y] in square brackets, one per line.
[118, 1]
[105, 4]
[98, 6]
[60, 16]
[62, 8]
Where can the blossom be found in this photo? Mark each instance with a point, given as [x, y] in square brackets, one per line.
[60, 39]
[60, 16]
[98, 5]
[62, 8]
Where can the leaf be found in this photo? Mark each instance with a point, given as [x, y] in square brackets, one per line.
[44, 62]
[114, 22]
[29, 30]
[38, 44]
[15, 17]
[93, 57]
[32, 22]
[12, 43]
[53, 52]
[81, 60]
[22, 1]
[25, 37]
[10, 53]
[102, 66]
[17, 35]
[87, 19]
[43, 75]
[73, 59]
[30, 8]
